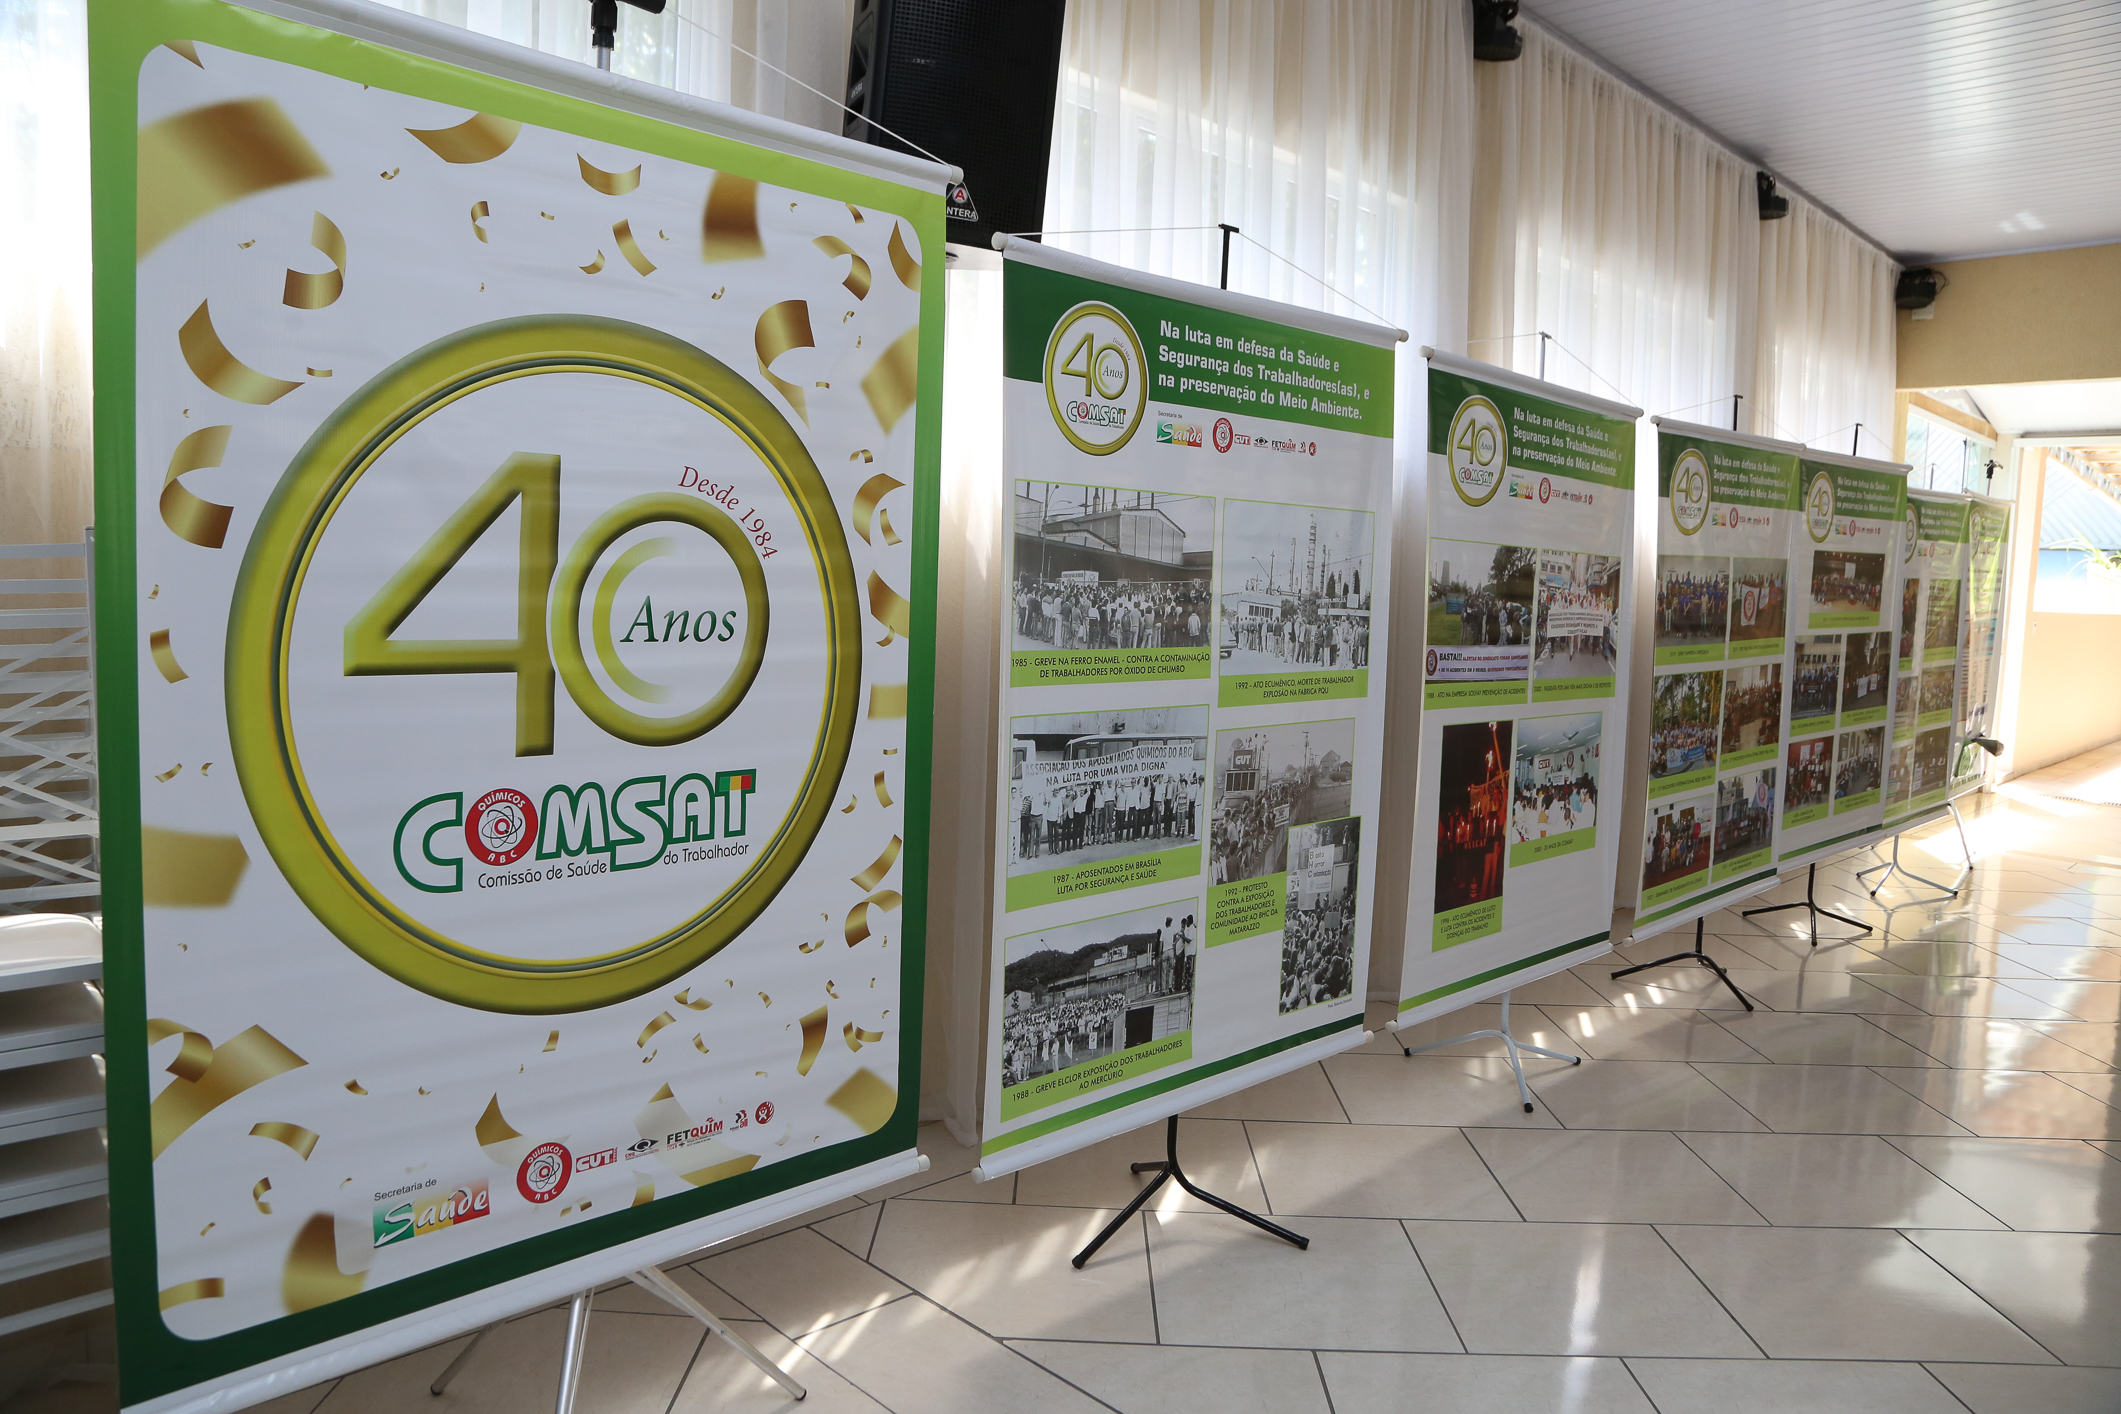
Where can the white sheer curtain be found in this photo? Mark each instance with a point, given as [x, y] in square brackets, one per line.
[45, 478]
[1827, 357]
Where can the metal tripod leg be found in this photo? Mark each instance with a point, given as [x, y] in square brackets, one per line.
[1168, 1168]
[664, 1286]
[1697, 955]
[577, 1343]
[1811, 876]
[1511, 1043]
[442, 1380]
[1894, 866]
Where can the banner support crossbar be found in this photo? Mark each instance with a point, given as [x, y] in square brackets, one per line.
[1167, 1168]
[1702, 957]
[1894, 866]
[1811, 903]
[1514, 1046]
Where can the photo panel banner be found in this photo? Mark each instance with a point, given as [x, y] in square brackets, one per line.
[1524, 703]
[1200, 488]
[516, 497]
[1722, 620]
[1929, 645]
[1981, 638]
[1840, 668]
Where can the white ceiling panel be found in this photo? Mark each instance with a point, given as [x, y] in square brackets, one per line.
[1941, 128]
[2051, 408]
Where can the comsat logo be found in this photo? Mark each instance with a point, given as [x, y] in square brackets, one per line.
[576, 830]
[1096, 383]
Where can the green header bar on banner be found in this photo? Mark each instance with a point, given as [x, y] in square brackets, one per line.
[1740, 475]
[1858, 490]
[1543, 435]
[1942, 521]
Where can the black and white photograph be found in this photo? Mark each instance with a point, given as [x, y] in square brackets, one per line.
[1937, 684]
[1082, 991]
[1102, 567]
[1940, 624]
[1085, 787]
[1480, 611]
[1676, 843]
[1933, 749]
[1693, 599]
[1686, 713]
[1810, 773]
[1472, 809]
[1760, 599]
[1859, 762]
[1295, 588]
[1866, 668]
[1268, 779]
[1318, 923]
[1554, 786]
[1846, 580]
[1752, 706]
[1816, 690]
[1578, 604]
[1745, 813]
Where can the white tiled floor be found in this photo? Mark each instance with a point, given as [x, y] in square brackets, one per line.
[1896, 1188]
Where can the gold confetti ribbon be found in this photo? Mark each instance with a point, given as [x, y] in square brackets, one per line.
[355, 1087]
[643, 1190]
[316, 291]
[766, 999]
[184, 48]
[848, 808]
[813, 1040]
[903, 264]
[192, 1058]
[609, 183]
[662, 1019]
[863, 454]
[631, 248]
[856, 213]
[593, 266]
[499, 1138]
[890, 609]
[319, 372]
[867, 1099]
[858, 277]
[892, 384]
[783, 327]
[883, 796]
[245, 1060]
[810, 947]
[183, 870]
[883, 519]
[201, 522]
[212, 363]
[199, 161]
[887, 700]
[479, 138]
[200, 1289]
[869, 878]
[552, 1042]
[857, 925]
[165, 660]
[866, 500]
[258, 1191]
[684, 999]
[312, 1277]
[479, 212]
[856, 1036]
[698, 1044]
[729, 226]
[171, 774]
[294, 1136]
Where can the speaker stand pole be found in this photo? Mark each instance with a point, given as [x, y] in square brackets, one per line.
[1811, 904]
[1228, 231]
[1524, 1091]
[1167, 1167]
[1697, 955]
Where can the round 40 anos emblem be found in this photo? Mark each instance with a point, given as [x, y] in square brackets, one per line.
[1690, 491]
[1096, 377]
[1819, 507]
[528, 718]
[1478, 449]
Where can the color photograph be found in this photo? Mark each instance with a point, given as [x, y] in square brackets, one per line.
[1809, 774]
[1937, 688]
[1677, 842]
[1686, 712]
[1296, 587]
[1910, 597]
[1816, 690]
[1900, 771]
[1693, 600]
[1082, 991]
[1101, 567]
[1847, 581]
[1268, 779]
[1907, 697]
[1579, 603]
[1318, 927]
[1473, 786]
[1940, 623]
[1480, 604]
[1933, 749]
[1752, 706]
[1866, 664]
[1745, 813]
[1554, 788]
[1760, 599]
[1085, 787]
[1859, 762]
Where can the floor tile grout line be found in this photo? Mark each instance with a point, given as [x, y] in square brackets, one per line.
[2005, 1316]
[1325, 1385]
[1630, 1368]
[1658, 1228]
[1765, 1127]
[1156, 1317]
[1969, 1133]
[691, 1364]
[1493, 1177]
[1703, 1159]
[1335, 1089]
[1917, 1162]
[1434, 1290]
[1948, 1390]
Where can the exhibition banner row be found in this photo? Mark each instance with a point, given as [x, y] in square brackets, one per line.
[1200, 489]
[515, 599]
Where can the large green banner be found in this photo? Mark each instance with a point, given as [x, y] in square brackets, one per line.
[1930, 642]
[515, 527]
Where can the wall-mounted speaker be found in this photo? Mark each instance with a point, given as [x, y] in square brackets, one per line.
[973, 82]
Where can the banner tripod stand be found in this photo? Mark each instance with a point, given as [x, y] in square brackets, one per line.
[1167, 1168]
[1894, 866]
[650, 1279]
[1697, 955]
[1809, 902]
[1524, 1091]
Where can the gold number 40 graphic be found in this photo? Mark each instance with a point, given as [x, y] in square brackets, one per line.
[549, 596]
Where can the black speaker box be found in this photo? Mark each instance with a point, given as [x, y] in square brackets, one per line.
[972, 81]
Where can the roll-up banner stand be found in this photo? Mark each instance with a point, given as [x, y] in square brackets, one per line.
[1929, 651]
[1981, 643]
[1723, 620]
[1193, 696]
[1524, 701]
[1840, 669]
[515, 493]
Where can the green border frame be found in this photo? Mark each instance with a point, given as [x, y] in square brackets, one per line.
[122, 33]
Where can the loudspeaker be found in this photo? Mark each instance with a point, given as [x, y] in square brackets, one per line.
[973, 82]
